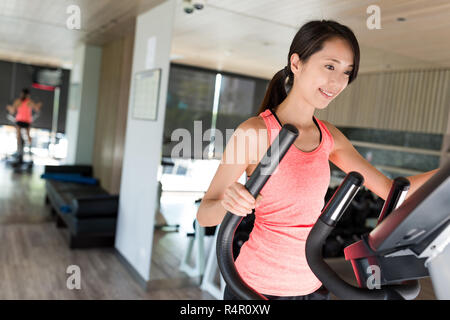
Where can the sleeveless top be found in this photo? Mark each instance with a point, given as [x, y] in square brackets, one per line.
[24, 113]
[273, 260]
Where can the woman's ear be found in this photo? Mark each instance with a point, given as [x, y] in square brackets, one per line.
[296, 63]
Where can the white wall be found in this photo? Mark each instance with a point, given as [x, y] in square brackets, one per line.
[82, 109]
[143, 143]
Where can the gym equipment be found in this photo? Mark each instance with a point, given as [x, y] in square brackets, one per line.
[354, 224]
[411, 241]
[50, 80]
[17, 160]
[197, 238]
[242, 234]
[212, 281]
[408, 243]
[70, 177]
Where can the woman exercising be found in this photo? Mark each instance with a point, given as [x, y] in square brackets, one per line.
[23, 108]
[323, 59]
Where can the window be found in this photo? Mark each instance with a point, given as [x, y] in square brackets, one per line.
[190, 103]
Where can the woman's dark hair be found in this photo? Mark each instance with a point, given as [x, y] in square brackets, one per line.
[25, 92]
[308, 40]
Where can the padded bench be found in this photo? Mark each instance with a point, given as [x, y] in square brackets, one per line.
[86, 211]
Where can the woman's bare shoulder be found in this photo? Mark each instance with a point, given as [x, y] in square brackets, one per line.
[254, 131]
[331, 128]
[254, 123]
[338, 137]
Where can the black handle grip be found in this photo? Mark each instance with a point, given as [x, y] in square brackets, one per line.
[320, 232]
[259, 177]
[271, 159]
[396, 196]
[341, 198]
[330, 279]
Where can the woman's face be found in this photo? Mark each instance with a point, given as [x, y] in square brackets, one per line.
[325, 74]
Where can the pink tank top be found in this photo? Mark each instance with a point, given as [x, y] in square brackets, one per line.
[273, 260]
[24, 112]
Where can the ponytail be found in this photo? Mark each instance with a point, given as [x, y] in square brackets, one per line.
[277, 90]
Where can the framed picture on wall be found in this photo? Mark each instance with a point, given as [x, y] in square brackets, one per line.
[146, 94]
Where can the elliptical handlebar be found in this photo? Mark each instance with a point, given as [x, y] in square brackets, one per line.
[11, 118]
[397, 195]
[255, 183]
[325, 225]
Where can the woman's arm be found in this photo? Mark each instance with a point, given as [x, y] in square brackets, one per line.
[418, 180]
[36, 106]
[224, 187]
[347, 158]
[12, 109]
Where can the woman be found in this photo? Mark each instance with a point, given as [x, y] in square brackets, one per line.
[323, 59]
[23, 108]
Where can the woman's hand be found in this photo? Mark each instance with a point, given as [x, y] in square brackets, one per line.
[10, 109]
[238, 200]
[36, 106]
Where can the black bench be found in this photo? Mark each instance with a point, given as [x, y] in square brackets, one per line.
[87, 212]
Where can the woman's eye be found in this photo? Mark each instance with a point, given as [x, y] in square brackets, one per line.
[348, 73]
[329, 67]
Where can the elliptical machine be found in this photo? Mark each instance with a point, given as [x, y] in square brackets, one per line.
[18, 160]
[411, 239]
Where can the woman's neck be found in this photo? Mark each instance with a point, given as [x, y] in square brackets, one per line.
[296, 111]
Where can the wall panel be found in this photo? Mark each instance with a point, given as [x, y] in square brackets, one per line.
[112, 111]
[415, 101]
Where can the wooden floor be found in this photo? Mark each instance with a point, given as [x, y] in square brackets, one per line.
[34, 256]
[34, 260]
[21, 197]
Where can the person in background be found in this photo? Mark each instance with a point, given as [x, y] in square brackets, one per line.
[23, 108]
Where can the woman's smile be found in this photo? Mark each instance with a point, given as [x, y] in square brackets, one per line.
[326, 94]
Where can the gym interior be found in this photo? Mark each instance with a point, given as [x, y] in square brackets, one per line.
[134, 102]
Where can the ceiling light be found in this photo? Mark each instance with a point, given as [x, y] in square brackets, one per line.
[190, 5]
[198, 4]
